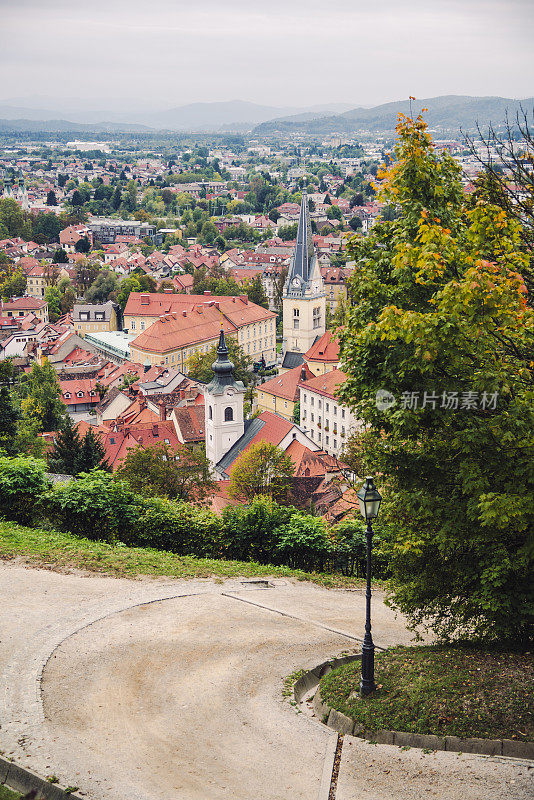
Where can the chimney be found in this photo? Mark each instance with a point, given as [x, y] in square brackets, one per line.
[184, 313]
[142, 402]
[208, 292]
[162, 411]
[166, 290]
[155, 429]
[145, 300]
[303, 374]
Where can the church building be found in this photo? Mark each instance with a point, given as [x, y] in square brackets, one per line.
[304, 300]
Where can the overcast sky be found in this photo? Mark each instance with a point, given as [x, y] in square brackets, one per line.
[277, 52]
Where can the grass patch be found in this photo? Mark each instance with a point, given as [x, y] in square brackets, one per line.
[8, 794]
[290, 681]
[443, 690]
[56, 550]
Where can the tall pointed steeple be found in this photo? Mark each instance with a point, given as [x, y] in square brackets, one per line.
[304, 303]
[223, 398]
[301, 265]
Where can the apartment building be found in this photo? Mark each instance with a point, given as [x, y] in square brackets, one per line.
[95, 317]
[326, 421]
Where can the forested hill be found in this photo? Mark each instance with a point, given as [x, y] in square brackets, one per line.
[447, 113]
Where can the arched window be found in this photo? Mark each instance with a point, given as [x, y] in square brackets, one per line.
[210, 412]
[228, 414]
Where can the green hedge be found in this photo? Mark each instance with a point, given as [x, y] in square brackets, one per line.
[101, 507]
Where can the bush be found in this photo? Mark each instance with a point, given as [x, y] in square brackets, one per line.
[248, 532]
[95, 506]
[180, 527]
[304, 542]
[23, 483]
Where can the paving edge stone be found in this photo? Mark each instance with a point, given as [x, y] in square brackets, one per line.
[23, 780]
[339, 722]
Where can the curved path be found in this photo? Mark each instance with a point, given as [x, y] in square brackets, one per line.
[159, 689]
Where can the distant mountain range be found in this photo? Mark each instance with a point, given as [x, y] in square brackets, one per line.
[447, 113]
[230, 115]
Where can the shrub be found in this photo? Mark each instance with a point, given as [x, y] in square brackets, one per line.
[249, 531]
[95, 506]
[23, 483]
[180, 527]
[304, 542]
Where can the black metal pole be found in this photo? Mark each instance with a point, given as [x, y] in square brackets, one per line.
[367, 682]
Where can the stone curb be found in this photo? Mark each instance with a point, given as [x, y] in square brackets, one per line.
[346, 726]
[23, 780]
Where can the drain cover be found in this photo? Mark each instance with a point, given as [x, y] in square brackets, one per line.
[257, 584]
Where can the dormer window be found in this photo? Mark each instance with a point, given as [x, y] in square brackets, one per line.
[67, 395]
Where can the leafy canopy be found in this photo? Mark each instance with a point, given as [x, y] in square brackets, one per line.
[439, 314]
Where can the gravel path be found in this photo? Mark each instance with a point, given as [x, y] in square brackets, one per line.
[160, 689]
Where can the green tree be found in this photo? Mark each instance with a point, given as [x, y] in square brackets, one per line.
[262, 469]
[199, 365]
[181, 473]
[13, 286]
[51, 198]
[60, 256]
[53, 298]
[92, 453]
[439, 315]
[82, 245]
[256, 293]
[9, 417]
[42, 404]
[127, 286]
[77, 199]
[64, 458]
[105, 283]
[86, 272]
[355, 223]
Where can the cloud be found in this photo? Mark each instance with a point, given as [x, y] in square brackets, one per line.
[284, 53]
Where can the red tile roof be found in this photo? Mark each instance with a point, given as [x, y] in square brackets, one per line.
[325, 349]
[286, 386]
[327, 384]
[183, 328]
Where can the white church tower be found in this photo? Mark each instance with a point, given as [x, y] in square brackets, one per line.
[304, 301]
[223, 398]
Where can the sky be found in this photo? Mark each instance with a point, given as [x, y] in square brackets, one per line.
[165, 53]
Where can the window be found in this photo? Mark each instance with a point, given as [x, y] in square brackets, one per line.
[319, 403]
[303, 398]
[312, 417]
[311, 400]
[335, 444]
[142, 324]
[343, 430]
[317, 317]
[327, 407]
[327, 439]
[84, 316]
[133, 325]
[228, 414]
[210, 412]
[335, 411]
[111, 440]
[100, 315]
[342, 413]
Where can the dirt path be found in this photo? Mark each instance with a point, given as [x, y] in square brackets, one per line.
[160, 689]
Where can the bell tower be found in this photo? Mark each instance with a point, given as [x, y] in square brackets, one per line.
[223, 398]
[304, 301]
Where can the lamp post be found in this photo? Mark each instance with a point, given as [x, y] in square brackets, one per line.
[369, 499]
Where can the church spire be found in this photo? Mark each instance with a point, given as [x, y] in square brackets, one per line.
[223, 369]
[301, 262]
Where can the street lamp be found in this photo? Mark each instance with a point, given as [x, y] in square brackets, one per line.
[369, 499]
